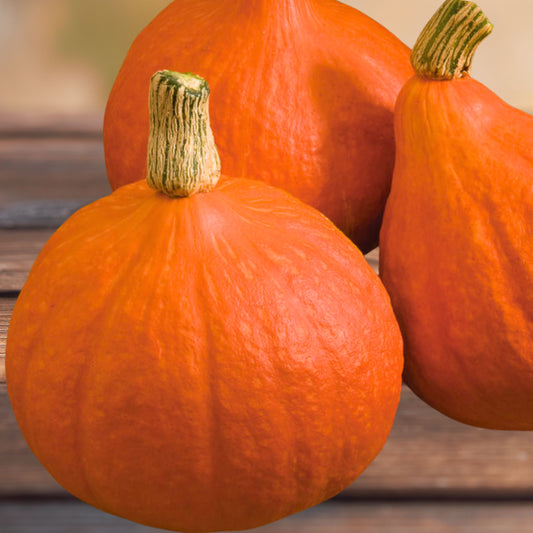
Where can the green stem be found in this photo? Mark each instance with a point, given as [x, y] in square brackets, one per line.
[446, 46]
[182, 156]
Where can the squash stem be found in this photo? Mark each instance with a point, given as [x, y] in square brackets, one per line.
[182, 156]
[446, 46]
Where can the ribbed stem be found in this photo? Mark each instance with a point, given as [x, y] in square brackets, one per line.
[182, 156]
[446, 46]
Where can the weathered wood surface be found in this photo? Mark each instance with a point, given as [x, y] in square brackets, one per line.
[41, 163]
[426, 453]
[32, 126]
[6, 308]
[434, 474]
[18, 250]
[51, 169]
[426, 456]
[330, 517]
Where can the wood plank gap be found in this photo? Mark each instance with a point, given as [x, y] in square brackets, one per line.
[9, 294]
[435, 496]
[404, 498]
[50, 134]
[330, 517]
[60, 497]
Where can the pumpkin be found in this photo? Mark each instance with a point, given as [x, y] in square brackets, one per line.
[303, 98]
[202, 357]
[456, 251]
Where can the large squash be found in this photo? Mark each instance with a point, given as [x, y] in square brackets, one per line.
[303, 94]
[457, 238]
[199, 359]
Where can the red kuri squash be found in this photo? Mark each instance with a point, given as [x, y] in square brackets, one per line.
[199, 357]
[457, 238]
[303, 94]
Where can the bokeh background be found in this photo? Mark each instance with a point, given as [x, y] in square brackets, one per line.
[61, 56]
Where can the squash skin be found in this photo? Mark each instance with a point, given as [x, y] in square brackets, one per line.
[209, 363]
[456, 253]
[303, 93]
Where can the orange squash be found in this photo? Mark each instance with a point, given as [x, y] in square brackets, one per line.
[201, 357]
[456, 243]
[303, 98]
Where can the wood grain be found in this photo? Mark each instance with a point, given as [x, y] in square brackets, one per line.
[38, 213]
[51, 168]
[426, 456]
[38, 126]
[329, 517]
[434, 475]
[18, 250]
[6, 308]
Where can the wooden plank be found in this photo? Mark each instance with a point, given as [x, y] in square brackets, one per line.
[40, 214]
[51, 169]
[373, 259]
[30, 125]
[430, 455]
[21, 472]
[426, 453]
[18, 250]
[6, 308]
[427, 456]
[329, 517]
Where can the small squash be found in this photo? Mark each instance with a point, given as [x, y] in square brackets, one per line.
[456, 243]
[198, 357]
[303, 98]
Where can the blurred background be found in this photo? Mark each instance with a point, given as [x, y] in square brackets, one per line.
[61, 56]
